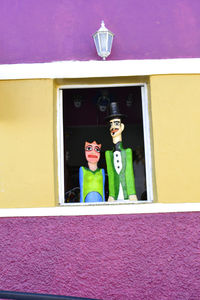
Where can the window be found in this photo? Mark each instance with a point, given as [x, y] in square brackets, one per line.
[81, 117]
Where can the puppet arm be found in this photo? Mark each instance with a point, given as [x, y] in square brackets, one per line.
[103, 174]
[110, 171]
[81, 183]
[130, 179]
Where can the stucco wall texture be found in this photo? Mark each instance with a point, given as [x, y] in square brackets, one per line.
[52, 30]
[145, 256]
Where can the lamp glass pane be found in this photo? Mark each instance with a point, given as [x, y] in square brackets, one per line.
[110, 39]
[96, 41]
[103, 37]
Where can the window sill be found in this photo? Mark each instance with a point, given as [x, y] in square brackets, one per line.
[80, 209]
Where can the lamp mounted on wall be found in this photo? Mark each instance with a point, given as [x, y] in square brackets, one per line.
[103, 39]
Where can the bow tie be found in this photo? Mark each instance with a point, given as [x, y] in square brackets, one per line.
[117, 147]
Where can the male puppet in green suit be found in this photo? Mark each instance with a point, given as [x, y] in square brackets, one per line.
[119, 161]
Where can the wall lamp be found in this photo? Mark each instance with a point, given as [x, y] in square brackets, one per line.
[103, 39]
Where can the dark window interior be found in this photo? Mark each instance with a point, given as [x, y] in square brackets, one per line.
[84, 112]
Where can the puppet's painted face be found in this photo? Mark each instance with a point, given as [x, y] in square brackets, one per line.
[92, 152]
[116, 127]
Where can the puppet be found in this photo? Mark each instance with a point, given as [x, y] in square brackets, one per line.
[92, 179]
[119, 162]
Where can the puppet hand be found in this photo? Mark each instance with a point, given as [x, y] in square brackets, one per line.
[133, 198]
[111, 199]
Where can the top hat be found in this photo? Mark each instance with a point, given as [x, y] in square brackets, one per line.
[114, 112]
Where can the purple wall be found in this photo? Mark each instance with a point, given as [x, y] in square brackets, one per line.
[51, 30]
[152, 256]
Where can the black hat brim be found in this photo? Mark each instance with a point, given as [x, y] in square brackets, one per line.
[114, 116]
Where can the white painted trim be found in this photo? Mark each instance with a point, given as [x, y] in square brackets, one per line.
[147, 142]
[87, 86]
[103, 209]
[108, 68]
[60, 146]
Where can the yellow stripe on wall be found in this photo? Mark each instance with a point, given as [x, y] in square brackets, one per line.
[26, 149]
[175, 103]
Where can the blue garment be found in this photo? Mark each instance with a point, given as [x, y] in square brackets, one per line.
[93, 197]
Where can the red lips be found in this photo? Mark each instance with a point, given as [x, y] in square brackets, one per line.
[114, 130]
[92, 156]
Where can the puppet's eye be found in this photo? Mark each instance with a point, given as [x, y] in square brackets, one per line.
[117, 123]
[97, 149]
[88, 148]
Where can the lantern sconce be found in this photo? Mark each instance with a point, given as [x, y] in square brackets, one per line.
[103, 39]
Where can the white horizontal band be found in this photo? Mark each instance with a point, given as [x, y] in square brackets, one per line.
[101, 209]
[88, 69]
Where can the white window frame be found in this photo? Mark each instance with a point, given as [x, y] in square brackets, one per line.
[60, 141]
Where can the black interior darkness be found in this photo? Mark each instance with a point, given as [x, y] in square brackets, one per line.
[84, 112]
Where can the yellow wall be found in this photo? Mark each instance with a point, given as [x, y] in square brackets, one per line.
[26, 149]
[175, 105]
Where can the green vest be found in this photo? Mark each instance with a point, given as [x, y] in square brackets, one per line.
[92, 182]
[125, 177]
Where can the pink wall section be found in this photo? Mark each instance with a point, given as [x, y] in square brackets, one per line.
[152, 256]
[52, 30]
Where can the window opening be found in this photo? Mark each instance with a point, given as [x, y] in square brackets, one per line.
[84, 112]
